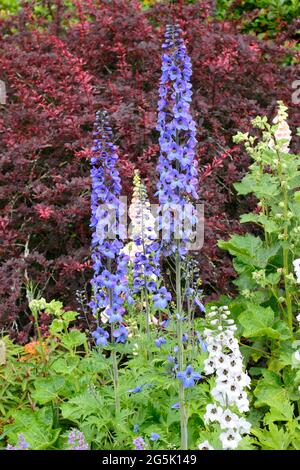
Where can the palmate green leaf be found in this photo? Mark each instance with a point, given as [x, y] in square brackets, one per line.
[47, 390]
[239, 245]
[70, 316]
[261, 219]
[36, 426]
[56, 326]
[73, 339]
[263, 185]
[249, 250]
[273, 438]
[270, 392]
[65, 365]
[257, 321]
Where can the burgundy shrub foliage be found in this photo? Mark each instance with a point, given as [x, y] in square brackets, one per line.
[58, 74]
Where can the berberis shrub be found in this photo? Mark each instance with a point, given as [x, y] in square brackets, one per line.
[59, 68]
[155, 368]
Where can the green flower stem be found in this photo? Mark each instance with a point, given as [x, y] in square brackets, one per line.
[114, 361]
[182, 401]
[43, 354]
[147, 314]
[285, 246]
[116, 381]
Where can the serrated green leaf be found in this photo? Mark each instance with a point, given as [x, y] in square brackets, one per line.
[274, 438]
[64, 365]
[36, 426]
[270, 391]
[73, 339]
[47, 390]
[257, 321]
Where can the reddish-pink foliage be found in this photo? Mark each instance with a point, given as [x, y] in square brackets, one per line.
[59, 73]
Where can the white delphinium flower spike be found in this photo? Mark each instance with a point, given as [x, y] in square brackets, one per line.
[296, 264]
[226, 362]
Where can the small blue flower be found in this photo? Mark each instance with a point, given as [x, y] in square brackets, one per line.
[107, 279]
[185, 338]
[139, 443]
[161, 298]
[199, 304]
[160, 341]
[154, 436]
[100, 336]
[188, 377]
[137, 389]
[136, 428]
[201, 343]
[176, 406]
[120, 334]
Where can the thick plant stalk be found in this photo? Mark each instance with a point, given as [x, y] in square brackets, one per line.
[116, 381]
[183, 410]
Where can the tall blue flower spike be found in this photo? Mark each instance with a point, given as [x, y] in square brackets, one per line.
[110, 266]
[177, 167]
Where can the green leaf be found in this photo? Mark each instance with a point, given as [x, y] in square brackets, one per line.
[56, 326]
[65, 365]
[55, 307]
[273, 438]
[83, 405]
[70, 316]
[36, 426]
[47, 390]
[261, 219]
[270, 391]
[257, 321]
[246, 245]
[249, 250]
[73, 339]
[263, 185]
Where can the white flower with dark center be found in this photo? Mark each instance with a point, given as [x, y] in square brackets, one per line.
[213, 413]
[205, 446]
[229, 420]
[226, 361]
[219, 395]
[242, 402]
[142, 220]
[233, 392]
[243, 380]
[230, 440]
[243, 426]
[214, 350]
[209, 366]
